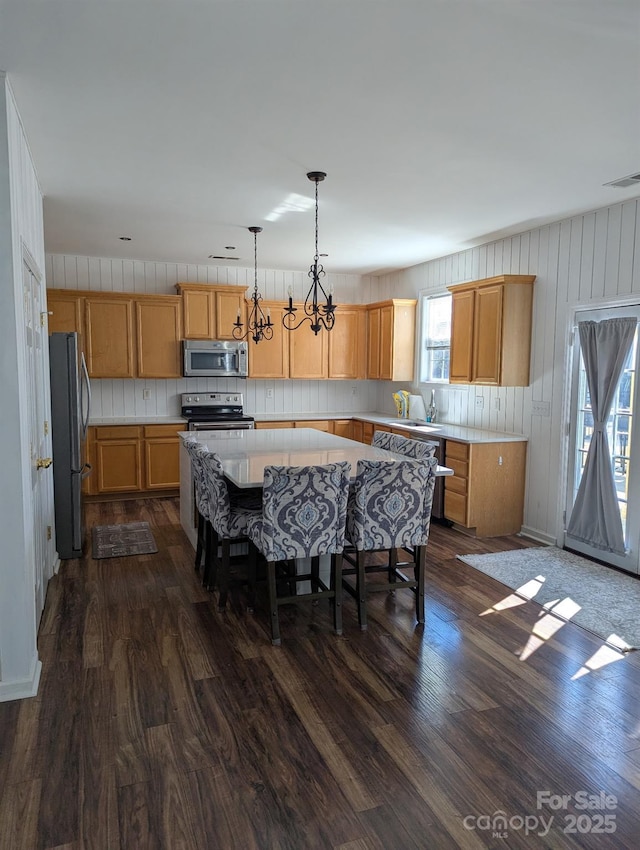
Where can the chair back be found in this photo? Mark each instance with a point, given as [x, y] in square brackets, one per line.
[195, 451]
[390, 504]
[218, 493]
[418, 449]
[384, 440]
[304, 510]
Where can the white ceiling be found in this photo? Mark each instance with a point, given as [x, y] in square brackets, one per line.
[440, 123]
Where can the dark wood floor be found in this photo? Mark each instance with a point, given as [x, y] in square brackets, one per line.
[161, 723]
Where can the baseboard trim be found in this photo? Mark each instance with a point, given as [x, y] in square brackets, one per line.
[25, 687]
[538, 536]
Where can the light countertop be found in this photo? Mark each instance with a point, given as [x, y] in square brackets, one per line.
[244, 454]
[138, 420]
[438, 429]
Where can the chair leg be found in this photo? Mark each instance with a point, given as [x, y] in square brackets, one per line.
[252, 576]
[200, 541]
[224, 577]
[273, 603]
[337, 589]
[420, 556]
[393, 562]
[210, 555]
[361, 590]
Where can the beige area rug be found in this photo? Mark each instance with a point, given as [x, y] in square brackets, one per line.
[597, 598]
[119, 541]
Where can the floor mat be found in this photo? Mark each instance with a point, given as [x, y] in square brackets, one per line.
[119, 541]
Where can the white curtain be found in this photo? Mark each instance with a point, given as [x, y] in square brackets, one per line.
[595, 518]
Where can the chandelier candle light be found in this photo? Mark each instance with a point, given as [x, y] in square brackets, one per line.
[318, 315]
[259, 326]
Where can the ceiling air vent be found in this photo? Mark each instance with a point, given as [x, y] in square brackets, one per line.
[218, 257]
[624, 182]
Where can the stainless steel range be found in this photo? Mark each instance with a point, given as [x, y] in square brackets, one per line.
[215, 412]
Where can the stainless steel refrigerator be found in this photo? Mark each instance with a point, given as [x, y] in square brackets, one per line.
[70, 406]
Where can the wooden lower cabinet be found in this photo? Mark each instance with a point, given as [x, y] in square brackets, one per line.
[161, 456]
[342, 428]
[318, 424]
[485, 494]
[117, 456]
[283, 424]
[129, 459]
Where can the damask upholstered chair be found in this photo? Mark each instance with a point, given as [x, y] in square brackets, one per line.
[384, 440]
[303, 516]
[194, 449]
[228, 522]
[389, 508]
[417, 449]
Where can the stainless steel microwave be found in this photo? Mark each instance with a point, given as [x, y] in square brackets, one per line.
[209, 358]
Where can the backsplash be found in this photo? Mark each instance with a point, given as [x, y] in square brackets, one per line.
[119, 398]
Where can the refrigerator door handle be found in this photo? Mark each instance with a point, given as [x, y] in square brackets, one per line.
[85, 396]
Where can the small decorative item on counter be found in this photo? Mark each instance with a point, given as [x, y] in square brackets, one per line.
[404, 395]
[398, 403]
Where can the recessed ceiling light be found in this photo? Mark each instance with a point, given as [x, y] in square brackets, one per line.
[229, 247]
[218, 257]
[124, 238]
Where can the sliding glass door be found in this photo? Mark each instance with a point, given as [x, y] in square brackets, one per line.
[622, 430]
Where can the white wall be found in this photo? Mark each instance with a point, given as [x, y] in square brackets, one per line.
[20, 224]
[124, 397]
[589, 259]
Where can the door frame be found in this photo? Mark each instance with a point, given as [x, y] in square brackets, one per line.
[572, 344]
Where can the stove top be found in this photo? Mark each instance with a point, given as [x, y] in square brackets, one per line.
[213, 407]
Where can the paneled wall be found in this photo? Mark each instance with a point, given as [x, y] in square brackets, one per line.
[589, 259]
[125, 397]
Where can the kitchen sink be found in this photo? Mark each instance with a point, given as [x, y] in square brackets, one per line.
[414, 423]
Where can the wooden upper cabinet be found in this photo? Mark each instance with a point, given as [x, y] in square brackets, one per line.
[158, 336]
[210, 310]
[308, 352]
[373, 346]
[269, 358]
[65, 311]
[347, 343]
[197, 307]
[229, 304]
[109, 336]
[461, 353]
[491, 331]
[391, 344]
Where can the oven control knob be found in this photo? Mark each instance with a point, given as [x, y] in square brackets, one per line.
[229, 398]
[197, 398]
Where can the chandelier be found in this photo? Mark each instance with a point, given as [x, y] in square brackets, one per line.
[319, 315]
[259, 326]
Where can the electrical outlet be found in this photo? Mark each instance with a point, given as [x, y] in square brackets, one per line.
[354, 389]
[479, 402]
[541, 408]
[496, 404]
[269, 392]
[146, 395]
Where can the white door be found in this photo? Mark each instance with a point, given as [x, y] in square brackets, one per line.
[623, 439]
[34, 304]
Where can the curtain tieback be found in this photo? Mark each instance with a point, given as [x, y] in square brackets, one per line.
[599, 427]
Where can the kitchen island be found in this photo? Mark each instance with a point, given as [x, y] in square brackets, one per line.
[244, 455]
